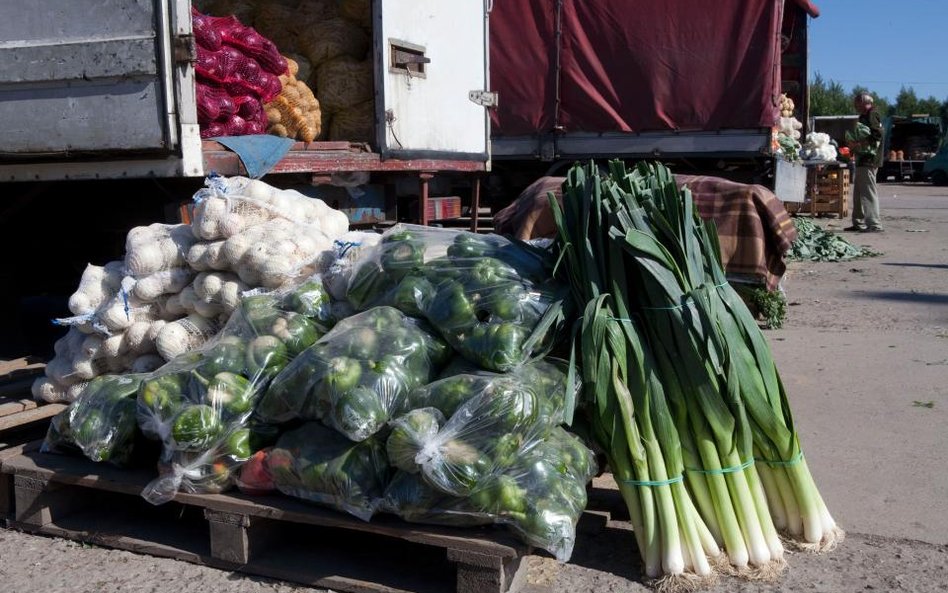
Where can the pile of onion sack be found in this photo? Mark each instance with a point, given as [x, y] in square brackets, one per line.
[238, 71]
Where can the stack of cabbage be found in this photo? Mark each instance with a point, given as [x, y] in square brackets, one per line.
[178, 284]
[819, 146]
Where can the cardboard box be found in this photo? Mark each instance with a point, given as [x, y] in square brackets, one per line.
[444, 208]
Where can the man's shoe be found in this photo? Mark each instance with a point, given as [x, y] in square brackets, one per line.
[855, 229]
[875, 229]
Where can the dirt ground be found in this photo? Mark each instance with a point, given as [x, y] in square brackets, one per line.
[864, 355]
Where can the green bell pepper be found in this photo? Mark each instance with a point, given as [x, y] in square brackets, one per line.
[342, 374]
[359, 413]
[195, 427]
[231, 393]
[259, 311]
[228, 355]
[297, 331]
[469, 245]
[310, 299]
[411, 294]
[165, 394]
[237, 444]
[266, 356]
[450, 310]
[409, 434]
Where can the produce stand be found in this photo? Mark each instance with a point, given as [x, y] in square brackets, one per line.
[828, 190]
[271, 536]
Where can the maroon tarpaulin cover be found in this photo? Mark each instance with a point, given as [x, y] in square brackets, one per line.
[635, 65]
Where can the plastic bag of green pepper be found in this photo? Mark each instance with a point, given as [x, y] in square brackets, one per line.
[462, 430]
[316, 463]
[492, 298]
[100, 423]
[200, 405]
[540, 496]
[357, 376]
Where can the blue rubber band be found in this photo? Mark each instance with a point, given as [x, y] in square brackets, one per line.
[125, 299]
[723, 470]
[793, 461]
[653, 483]
[345, 246]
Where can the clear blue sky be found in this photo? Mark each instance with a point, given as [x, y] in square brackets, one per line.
[882, 45]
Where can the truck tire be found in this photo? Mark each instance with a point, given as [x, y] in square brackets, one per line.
[939, 177]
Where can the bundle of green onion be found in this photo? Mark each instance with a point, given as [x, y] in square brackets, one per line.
[680, 387]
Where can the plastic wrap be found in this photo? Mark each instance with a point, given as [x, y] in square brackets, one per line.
[358, 375]
[100, 423]
[541, 495]
[199, 405]
[347, 250]
[490, 297]
[491, 420]
[317, 464]
[230, 205]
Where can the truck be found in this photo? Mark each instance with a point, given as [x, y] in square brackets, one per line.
[639, 79]
[936, 168]
[907, 143]
[101, 132]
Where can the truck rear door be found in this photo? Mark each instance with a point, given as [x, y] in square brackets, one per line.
[88, 78]
[431, 72]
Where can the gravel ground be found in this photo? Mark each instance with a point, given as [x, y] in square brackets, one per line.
[864, 355]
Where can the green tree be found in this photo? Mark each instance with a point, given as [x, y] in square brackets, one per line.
[931, 106]
[906, 103]
[827, 97]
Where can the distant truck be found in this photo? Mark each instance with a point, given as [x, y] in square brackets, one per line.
[936, 168]
[907, 143]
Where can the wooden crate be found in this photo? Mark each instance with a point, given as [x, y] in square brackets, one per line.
[17, 406]
[828, 191]
[272, 536]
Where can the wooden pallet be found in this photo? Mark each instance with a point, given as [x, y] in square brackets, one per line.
[827, 192]
[273, 536]
[17, 406]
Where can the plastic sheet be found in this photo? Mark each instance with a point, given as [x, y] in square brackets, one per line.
[490, 297]
[358, 375]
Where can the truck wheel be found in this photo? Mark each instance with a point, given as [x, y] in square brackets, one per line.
[940, 177]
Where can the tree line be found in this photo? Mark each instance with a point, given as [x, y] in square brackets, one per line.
[828, 97]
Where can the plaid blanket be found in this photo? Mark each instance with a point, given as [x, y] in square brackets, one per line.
[753, 226]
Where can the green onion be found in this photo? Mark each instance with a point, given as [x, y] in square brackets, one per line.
[679, 380]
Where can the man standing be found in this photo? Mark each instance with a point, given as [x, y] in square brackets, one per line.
[867, 150]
